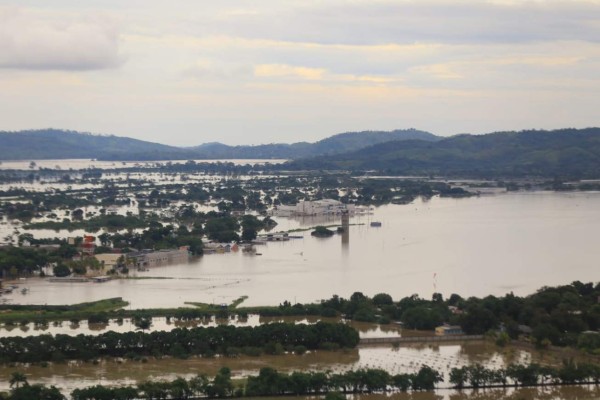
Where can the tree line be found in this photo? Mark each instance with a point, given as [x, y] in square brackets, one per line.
[477, 376]
[270, 382]
[567, 315]
[181, 342]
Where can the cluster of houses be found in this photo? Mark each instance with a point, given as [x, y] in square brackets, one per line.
[314, 208]
[144, 258]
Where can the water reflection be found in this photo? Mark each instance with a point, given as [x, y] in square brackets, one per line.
[118, 372]
[457, 239]
[76, 164]
[366, 330]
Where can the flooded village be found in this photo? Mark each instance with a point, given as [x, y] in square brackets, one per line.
[403, 261]
[326, 200]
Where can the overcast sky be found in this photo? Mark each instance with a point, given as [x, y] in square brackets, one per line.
[185, 72]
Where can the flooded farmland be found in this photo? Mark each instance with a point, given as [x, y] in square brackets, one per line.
[489, 244]
[401, 360]
[474, 247]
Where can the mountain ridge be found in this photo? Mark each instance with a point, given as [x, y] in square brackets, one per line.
[62, 144]
[561, 153]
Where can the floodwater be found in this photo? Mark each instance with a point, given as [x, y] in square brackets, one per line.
[401, 360]
[76, 164]
[365, 329]
[404, 359]
[477, 246]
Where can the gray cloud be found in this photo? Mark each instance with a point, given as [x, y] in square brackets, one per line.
[438, 21]
[57, 41]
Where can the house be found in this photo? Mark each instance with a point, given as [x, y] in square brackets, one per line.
[108, 260]
[213, 247]
[274, 237]
[149, 258]
[448, 330]
[314, 207]
[112, 210]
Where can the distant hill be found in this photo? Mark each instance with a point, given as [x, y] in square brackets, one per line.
[59, 144]
[336, 144]
[560, 153]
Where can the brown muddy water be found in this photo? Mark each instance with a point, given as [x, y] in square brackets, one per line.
[548, 393]
[486, 245]
[365, 330]
[477, 246]
[394, 360]
[76, 164]
[404, 359]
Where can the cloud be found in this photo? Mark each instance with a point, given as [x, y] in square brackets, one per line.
[46, 40]
[407, 21]
[281, 70]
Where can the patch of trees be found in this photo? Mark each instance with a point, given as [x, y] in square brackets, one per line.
[224, 229]
[94, 224]
[569, 373]
[560, 315]
[269, 382]
[16, 261]
[181, 342]
[564, 153]
[321, 231]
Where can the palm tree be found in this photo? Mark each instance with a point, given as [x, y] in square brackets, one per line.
[17, 378]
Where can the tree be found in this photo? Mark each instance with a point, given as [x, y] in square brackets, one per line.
[321, 231]
[104, 239]
[198, 385]
[249, 234]
[458, 377]
[77, 214]
[221, 384]
[61, 270]
[381, 299]
[17, 378]
[426, 379]
[37, 392]
[180, 389]
[142, 322]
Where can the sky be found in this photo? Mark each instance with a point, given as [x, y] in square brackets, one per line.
[186, 72]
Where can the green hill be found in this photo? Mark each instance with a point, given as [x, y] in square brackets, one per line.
[558, 153]
[336, 144]
[59, 144]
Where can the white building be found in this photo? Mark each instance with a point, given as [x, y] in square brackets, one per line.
[150, 258]
[315, 207]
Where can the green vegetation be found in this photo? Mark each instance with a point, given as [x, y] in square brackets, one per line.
[477, 376]
[59, 144]
[16, 261]
[565, 153]
[270, 382]
[11, 313]
[215, 307]
[565, 315]
[94, 224]
[180, 342]
[553, 315]
[321, 231]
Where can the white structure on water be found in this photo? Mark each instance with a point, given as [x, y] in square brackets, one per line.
[316, 207]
